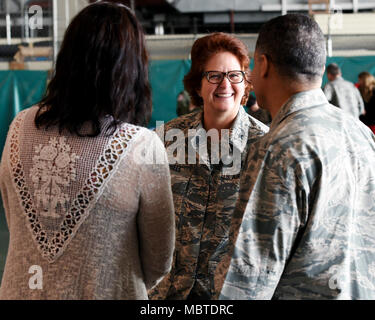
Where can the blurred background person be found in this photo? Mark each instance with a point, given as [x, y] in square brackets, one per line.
[257, 112]
[342, 93]
[204, 196]
[366, 82]
[93, 220]
[184, 104]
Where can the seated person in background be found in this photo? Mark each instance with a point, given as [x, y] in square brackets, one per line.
[255, 111]
[83, 209]
[366, 83]
[342, 93]
[205, 189]
[307, 196]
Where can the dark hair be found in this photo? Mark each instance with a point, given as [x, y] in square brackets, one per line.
[203, 49]
[295, 44]
[333, 69]
[251, 101]
[101, 69]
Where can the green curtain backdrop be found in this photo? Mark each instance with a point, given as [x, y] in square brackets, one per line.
[352, 66]
[18, 90]
[21, 89]
[166, 81]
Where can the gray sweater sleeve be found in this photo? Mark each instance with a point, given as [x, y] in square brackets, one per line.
[3, 188]
[156, 226]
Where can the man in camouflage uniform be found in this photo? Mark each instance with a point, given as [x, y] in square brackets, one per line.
[342, 93]
[308, 227]
[204, 199]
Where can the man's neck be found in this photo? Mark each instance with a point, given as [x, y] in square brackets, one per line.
[280, 97]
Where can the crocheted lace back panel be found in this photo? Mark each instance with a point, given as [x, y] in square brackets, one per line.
[59, 178]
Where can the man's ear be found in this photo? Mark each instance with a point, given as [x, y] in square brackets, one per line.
[264, 64]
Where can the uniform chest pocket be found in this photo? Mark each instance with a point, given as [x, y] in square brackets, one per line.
[192, 189]
[226, 198]
[179, 183]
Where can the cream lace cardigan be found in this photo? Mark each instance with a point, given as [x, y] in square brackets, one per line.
[89, 218]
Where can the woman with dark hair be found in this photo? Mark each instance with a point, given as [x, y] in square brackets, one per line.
[205, 183]
[86, 217]
[366, 87]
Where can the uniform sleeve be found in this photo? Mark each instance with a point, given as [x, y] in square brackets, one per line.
[274, 214]
[156, 224]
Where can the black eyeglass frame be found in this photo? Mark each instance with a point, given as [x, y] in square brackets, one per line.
[225, 74]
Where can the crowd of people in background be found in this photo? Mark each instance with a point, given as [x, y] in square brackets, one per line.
[85, 203]
[357, 99]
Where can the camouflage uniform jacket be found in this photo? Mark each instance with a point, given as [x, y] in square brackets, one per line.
[345, 95]
[204, 199]
[308, 227]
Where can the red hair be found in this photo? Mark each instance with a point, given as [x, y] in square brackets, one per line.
[202, 51]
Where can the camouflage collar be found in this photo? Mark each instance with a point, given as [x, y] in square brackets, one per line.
[299, 101]
[237, 137]
[238, 133]
[196, 121]
[240, 130]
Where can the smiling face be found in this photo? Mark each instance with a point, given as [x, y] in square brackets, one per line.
[225, 97]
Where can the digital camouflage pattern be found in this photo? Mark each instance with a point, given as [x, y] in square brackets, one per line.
[345, 95]
[308, 228]
[261, 114]
[204, 201]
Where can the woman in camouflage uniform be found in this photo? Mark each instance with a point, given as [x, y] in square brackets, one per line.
[204, 192]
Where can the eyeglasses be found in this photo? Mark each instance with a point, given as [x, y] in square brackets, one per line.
[217, 77]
